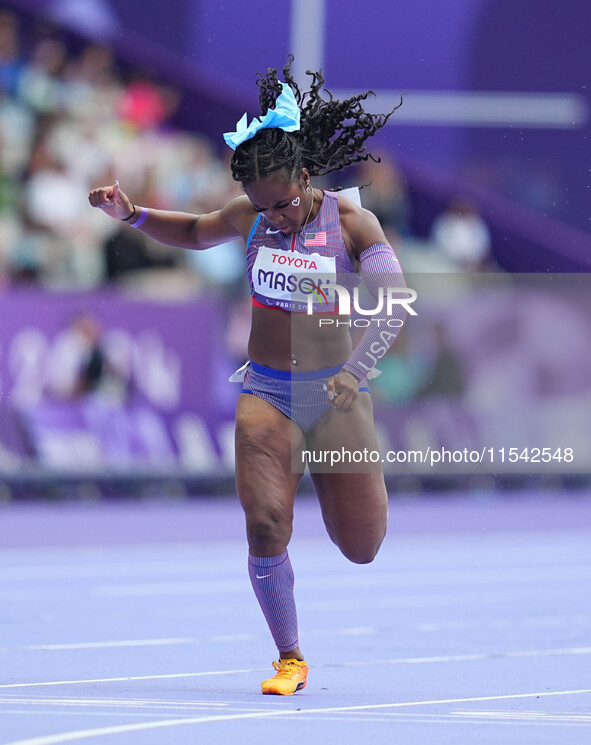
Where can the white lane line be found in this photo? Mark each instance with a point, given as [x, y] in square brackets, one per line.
[105, 552]
[493, 655]
[221, 638]
[368, 717]
[569, 651]
[337, 605]
[113, 703]
[501, 716]
[500, 623]
[62, 737]
[199, 587]
[109, 570]
[129, 678]
[103, 645]
[527, 716]
[95, 702]
[231, 638]
[355, 631]
[376, 580]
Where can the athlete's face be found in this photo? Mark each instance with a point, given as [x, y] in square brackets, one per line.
[283, 202]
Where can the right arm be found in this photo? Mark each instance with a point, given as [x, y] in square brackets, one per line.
[178, 228]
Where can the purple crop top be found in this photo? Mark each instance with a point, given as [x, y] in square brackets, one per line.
[283, 270]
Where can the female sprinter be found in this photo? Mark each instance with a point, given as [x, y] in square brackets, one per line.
[305, 388]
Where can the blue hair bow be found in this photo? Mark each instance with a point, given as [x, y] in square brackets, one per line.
[285, 115]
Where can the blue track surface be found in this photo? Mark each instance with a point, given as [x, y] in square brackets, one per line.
[135, 623]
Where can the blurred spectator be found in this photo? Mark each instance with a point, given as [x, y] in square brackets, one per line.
[124, 252]
[145, 106]
[402, 374]
[462, 236]
[17, 131]
[40, 85]
[10, 62]
[92, 87]
[188, 175]
[441, 399]
[94, 370]
[52, 197]
[29, 254]
[128, 252]
[446, 376]
[385, 194]
[85, 368]
[68, 121]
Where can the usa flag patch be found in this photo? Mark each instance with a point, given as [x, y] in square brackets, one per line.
[315, 239]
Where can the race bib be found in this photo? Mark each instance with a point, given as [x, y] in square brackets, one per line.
[286, 279]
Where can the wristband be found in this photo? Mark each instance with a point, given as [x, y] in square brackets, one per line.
[141, 219]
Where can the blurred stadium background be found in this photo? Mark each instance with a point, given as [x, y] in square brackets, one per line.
[115, 351]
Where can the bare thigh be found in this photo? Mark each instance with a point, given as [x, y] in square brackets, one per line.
[352, 497]
[267, 443]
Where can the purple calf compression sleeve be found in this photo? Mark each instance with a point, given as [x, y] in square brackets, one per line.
[272, 580]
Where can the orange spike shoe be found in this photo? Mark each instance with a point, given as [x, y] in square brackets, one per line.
[291, 677]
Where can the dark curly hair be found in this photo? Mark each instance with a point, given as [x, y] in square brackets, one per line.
[331, 136]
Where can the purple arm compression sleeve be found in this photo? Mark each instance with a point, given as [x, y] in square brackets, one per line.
[382, 275]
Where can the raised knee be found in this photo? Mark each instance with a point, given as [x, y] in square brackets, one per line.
[363, 556]
[361, 552]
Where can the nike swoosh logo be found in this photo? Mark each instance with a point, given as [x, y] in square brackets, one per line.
[271, 232]
[263, 576]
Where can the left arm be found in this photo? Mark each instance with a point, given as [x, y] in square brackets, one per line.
[383, 278]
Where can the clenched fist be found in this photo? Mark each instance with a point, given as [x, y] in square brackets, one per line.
[112, 201]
